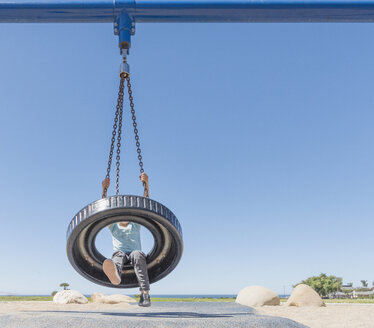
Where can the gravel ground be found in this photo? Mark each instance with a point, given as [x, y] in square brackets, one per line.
[161, 314]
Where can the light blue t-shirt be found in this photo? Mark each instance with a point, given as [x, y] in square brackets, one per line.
[126, 239]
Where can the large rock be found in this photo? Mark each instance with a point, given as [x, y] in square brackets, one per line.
[304, 295]
[111, 299]
[257, 296]
[69, 296]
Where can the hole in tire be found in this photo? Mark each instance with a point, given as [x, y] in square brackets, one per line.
[105, 241]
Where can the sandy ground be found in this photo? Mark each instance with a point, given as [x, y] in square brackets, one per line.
[331, 316]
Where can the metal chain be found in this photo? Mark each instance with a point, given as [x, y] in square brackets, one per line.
[119, 110]
[118, 121]
[118, 157]
[135, 125]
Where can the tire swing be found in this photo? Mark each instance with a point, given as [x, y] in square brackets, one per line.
[157, 218]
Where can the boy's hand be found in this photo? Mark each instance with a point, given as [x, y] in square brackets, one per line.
[105, 183]
[144, 180]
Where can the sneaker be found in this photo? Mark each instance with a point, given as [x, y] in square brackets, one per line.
[111, 272]
[145, 300]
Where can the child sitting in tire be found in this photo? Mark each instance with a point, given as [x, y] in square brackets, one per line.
[127, 248]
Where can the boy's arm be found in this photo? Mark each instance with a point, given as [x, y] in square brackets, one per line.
[122, 224]
[144, 180]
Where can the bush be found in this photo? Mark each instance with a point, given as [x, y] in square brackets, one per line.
[323, 284]
[365, 297]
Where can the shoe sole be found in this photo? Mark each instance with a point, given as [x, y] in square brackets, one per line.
[110, 270]
[145, 305]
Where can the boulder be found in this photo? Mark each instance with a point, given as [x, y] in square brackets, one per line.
[111, 299]
[304, 295]
[69, 296]
[257, 296]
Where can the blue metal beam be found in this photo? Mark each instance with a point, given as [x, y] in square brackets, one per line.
[124, 13]
[254, 11]
[57, 11]
[187, 10]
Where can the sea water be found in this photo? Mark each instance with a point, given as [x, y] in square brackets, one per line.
[171, 295]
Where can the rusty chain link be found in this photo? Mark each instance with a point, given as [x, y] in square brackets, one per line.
[117, 119]
[137, 142]
[135, 125]
[118, 124]
[118, 157]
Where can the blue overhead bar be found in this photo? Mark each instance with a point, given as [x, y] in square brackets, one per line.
[125, 13]
[148, 11]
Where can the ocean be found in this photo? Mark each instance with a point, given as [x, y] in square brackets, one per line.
[193, 295]
[170, 295]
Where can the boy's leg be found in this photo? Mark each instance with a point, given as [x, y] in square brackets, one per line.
[119, 258]
[139, 262]
[113, 268]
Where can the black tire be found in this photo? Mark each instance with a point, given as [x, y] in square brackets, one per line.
[158, 219]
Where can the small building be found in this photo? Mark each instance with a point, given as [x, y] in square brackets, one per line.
[338, 295]
[356, 294]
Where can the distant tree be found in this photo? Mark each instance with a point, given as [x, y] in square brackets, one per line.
[364, 283]
[65, 285]
[323, 284]
[54, 293]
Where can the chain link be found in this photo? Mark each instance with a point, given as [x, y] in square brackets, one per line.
[118, 157]
[135, 125]
[117, 119]
[118, 124]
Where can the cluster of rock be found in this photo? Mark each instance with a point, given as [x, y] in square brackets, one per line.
[257, 296]
[302, 295]
[253, 296]
[111, 299]
[69, 296]
[73, 296]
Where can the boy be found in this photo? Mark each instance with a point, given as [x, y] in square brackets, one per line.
[127, 248]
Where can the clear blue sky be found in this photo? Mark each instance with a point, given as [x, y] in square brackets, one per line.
[259, 137]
